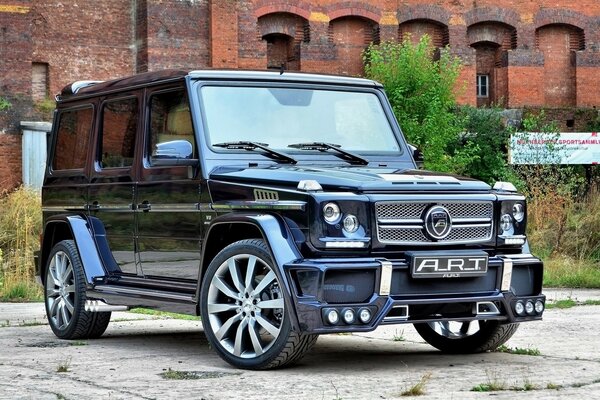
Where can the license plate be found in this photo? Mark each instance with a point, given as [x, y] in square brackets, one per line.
[447, 265]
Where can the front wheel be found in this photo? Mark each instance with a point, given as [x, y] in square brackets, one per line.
[244, 312]
[466, 336]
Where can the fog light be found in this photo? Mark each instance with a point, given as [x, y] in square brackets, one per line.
[333, 317]
[348, 315]
[539, 306]
[364, 315]
[529, 307]
[518, 212]
[520, 308]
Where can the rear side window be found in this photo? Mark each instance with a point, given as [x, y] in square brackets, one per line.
[73, 137]
[119, 126]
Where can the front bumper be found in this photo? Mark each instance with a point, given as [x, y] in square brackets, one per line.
[385, 288]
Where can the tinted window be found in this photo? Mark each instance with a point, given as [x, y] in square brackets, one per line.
[171, 132]
[72, 140]
[119, 125]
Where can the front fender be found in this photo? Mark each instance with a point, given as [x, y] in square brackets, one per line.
[276, 234]
[79, 229]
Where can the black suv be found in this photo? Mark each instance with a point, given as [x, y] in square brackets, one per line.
[277, 207]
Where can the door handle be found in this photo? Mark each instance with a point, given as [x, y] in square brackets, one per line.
[144, 206]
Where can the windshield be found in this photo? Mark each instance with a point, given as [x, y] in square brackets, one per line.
[280, 117]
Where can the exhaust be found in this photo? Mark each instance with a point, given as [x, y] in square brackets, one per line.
[397, 313]
[485, 308]
[100, 306]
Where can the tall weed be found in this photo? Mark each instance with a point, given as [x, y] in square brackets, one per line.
[20, 224]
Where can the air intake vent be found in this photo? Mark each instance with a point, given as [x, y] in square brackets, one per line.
[265, 195]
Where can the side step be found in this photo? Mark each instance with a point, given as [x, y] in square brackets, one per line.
[100, 306]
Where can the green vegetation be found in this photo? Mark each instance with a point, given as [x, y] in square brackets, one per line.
[518, 350]
[399, 336]
[190, 375]
[64, 365]
[20, 223]
[164, 314]
[418, 389]
[5, 104]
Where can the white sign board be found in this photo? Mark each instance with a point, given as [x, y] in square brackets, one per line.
[555, 148]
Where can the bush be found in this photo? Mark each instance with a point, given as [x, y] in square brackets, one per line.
[20, 224]
[421, 92]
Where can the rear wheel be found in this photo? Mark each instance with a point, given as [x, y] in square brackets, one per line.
[244, 312]
[65, 296]
[466, 336]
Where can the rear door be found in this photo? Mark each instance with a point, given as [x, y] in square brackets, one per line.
[169, 229]
[111, 193]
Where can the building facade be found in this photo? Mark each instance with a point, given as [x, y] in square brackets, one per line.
[539, 53]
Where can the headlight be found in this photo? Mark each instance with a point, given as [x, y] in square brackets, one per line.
[351, 223]
[331, 213]
[506, 224]
[518, 212]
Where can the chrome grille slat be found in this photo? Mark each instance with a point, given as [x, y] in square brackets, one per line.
[401, 222]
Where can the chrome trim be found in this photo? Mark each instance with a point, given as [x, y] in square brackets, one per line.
[491, 305]
[100, 306]
[63, 208]
[507, 268]
[189, 207]
[471, 220]
[397, 317]
[261, 205]
[140, 292]
[385, 285]
[401, 221]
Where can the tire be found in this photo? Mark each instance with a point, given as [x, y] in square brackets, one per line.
[243, 310]
[463, 338]
[64, 294]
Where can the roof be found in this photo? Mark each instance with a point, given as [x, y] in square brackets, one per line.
[94, 87]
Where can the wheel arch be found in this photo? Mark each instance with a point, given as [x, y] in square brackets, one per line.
[78, 229]
[270, 228]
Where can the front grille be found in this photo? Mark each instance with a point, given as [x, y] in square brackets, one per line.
[402, 222]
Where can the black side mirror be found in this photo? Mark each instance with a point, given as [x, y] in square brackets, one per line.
[417, 156]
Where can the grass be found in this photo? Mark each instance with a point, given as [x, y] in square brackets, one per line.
[20, 224]
[571, 273]
[399, 337]
[147, 311]
[64, 366]
[518, 350]
[418, 389]
[173, 374]
[569, 303]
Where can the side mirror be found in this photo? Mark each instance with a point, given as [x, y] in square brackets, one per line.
[417, 155]
[174, 152]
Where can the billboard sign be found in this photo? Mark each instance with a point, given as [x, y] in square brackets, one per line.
[581, 148]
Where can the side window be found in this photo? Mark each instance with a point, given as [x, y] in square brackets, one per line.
[171, 132]
[73, 136]
[119, 125]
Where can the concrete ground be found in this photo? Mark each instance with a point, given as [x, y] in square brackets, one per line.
[127, 362]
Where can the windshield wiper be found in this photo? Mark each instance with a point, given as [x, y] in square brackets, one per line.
[341, 153]
[252, 146]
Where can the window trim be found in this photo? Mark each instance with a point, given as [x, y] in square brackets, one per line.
[479, 86]
[52, 157]
[100, 136]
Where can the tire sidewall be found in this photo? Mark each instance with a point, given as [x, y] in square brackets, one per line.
[258, 249]
[68, 247]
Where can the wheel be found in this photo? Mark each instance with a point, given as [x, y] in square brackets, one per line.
[65, 296]
[243, 310]
[466, 337]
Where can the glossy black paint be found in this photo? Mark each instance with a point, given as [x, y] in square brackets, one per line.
[147, 233]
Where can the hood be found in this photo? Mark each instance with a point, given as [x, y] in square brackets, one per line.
[357, 179]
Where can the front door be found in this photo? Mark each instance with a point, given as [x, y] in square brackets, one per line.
[169, 229]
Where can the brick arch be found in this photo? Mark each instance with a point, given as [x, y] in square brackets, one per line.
[289, 24]
[354, 9]
[491, 14]
[424, 12]
[550, 16]
[501, 34]
[300, 8]
[416, 28]
[283, 32]
[351, 35]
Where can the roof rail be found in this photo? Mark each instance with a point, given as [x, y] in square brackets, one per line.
[75, 87]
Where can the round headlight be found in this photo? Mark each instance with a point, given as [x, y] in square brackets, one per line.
[539, 306]
[333, 317]
[520, 308]
[518, 212]
[348, 315]
[506, 223]
[351, 224]
[331, 213]
[364, 314]
[529, 307]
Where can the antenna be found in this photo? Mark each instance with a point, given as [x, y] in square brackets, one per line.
[282, 69]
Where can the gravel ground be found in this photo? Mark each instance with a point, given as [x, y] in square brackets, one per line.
[129, 360]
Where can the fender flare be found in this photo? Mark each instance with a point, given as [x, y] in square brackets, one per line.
[277, 237]
[82, 231]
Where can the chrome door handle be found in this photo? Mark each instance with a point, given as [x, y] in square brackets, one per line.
[144, 206]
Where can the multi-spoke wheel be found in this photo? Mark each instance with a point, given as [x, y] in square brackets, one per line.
[65, 296]
[244, 312]
[466, 336]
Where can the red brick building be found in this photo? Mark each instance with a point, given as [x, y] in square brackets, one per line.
[539, 53]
